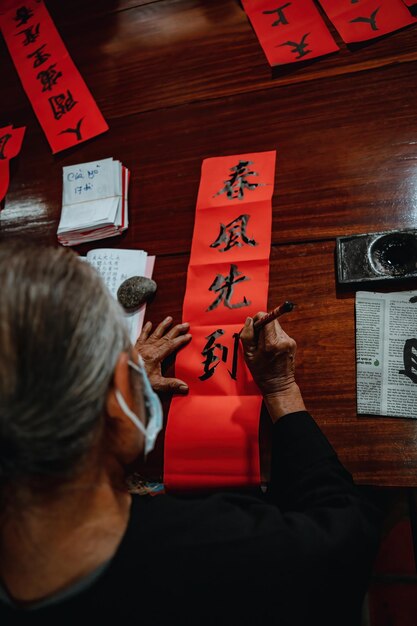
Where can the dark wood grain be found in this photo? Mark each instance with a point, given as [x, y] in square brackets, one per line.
[182, 80]
[136, 58]
[346, 161]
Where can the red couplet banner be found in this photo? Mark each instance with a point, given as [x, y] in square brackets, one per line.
[212, 434]
[289, 32]
[60, 98]
[10, 145]
[367, 19]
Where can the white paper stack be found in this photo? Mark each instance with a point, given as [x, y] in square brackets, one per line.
[115, 266]
[94, 201]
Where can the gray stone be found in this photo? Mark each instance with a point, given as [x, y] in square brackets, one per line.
[134, 291]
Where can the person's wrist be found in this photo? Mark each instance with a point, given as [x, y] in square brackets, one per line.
[280, 403]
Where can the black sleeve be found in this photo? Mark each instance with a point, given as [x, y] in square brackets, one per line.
[333, 530]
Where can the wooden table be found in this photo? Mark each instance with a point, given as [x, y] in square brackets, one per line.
[181, 80]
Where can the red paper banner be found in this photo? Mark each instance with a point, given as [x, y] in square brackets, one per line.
[289, 31]
[10, 145]
[410, 3]
[212, 434]
[367, 19]
[61, 100]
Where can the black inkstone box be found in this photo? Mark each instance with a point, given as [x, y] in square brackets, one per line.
[390, 255]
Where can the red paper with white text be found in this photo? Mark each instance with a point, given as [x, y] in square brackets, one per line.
[212, 434]
[59, 96]
[291, 31]
[367, 19]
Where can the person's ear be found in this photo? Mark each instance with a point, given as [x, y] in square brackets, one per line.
[124, 441]
[120, 381]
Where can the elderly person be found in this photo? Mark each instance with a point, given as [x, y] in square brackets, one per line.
[76, 408]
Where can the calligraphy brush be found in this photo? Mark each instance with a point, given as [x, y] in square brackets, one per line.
[272, 315]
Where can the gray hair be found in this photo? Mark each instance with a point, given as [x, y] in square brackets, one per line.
[61, 333]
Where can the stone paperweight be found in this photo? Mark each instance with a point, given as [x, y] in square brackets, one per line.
[135, 291]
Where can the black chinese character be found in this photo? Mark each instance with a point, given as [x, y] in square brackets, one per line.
[49, 77]
[211, 361]
[3, 141]
[39, 56]
[237, 183]
[223, 285]
[61, 104]
[31, 34]
[76, 130]
[410, 360]
[368, 20]
[22, 16]
[280, 12]
[231, 233]
[299, 48]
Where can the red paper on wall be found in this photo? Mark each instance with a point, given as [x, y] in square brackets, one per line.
[60, 98]
[212, 434]
[367, 19]
[10, 144]
[289, 31]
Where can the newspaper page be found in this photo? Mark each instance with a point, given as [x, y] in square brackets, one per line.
[386, 353]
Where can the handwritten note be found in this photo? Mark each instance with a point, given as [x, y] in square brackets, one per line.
[94, 201]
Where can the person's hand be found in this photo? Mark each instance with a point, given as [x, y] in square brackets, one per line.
[270, 356]
[155, 347]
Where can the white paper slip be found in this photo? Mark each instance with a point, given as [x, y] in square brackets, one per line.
[90, 181]
[115, 266]
[94, 201]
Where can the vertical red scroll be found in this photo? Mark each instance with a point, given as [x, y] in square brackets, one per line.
[60, 98]
[289, 31]
[212, 434]
[367, 19]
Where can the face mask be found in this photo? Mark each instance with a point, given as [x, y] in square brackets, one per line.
[152, 405]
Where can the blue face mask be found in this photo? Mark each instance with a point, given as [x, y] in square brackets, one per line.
[152, 405]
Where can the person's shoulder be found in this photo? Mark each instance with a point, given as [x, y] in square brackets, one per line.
[209, 520]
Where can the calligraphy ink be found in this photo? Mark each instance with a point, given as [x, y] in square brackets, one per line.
[224, 285]
[237, 183]
[410, 360]
[76, 130]
[299, 48]
[231, 234]
[368, 20]
[280, 12]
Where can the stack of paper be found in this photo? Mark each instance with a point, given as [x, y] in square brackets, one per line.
[115, 266]
[94, 201]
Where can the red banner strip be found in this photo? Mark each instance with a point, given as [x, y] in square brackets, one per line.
[367, 19]
[10, 144]
[291, 31]
[212, 434]
[60, 98]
